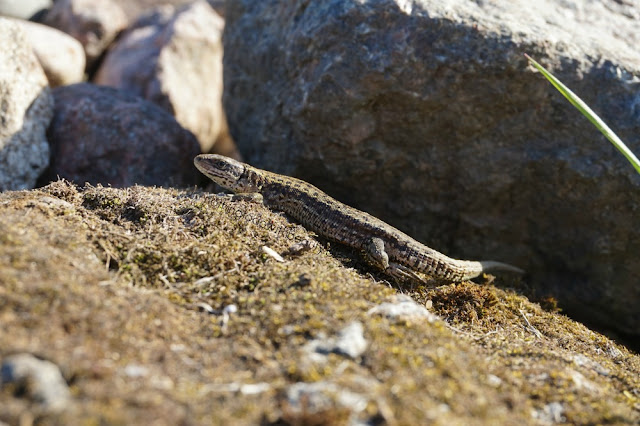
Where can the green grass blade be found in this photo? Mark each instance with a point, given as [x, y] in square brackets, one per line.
[588, 112]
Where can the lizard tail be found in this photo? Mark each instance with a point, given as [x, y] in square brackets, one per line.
[490, 265]
[468, 269]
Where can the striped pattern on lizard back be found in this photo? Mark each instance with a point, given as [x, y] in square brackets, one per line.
[347, 225]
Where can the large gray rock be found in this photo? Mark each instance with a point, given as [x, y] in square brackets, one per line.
[173, 57]
[431, 106]
[103, 135]
[26, 108]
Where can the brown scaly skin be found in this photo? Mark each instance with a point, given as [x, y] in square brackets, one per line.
[387, 248]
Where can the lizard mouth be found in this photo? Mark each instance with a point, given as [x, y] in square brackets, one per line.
[222, 170]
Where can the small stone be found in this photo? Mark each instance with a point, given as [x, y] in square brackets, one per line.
[230, 309]
[402, 307]
[349, 342]
[255, 388]
[305, 399]
[37, 379]
[299, 248]
[583, 361]
[551, 413]
[135, 371]
[493, 380]
[242, 388]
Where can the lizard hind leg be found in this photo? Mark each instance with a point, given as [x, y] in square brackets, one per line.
[376, 255]
[401, 273]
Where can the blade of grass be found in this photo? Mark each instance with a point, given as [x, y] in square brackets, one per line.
[588, 112]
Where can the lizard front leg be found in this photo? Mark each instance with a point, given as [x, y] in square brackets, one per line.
[377, 256]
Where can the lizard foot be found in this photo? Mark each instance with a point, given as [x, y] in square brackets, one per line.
[378, 257]
[402, 273]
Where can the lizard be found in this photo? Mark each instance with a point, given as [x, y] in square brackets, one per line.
[385, 247]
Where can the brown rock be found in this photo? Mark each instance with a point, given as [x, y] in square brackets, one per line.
[94, 23]
[173, 57]
[102, 135]
[61, 56]
[25, 110]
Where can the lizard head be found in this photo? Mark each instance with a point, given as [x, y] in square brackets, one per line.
[228, 173]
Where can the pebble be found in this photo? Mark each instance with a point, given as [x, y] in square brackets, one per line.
[36, 379]
[402, 307]
[349, 341]
[320, 397]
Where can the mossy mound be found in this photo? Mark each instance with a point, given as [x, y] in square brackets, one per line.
[126, 289]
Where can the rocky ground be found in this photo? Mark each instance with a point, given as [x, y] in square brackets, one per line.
[131, 296]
